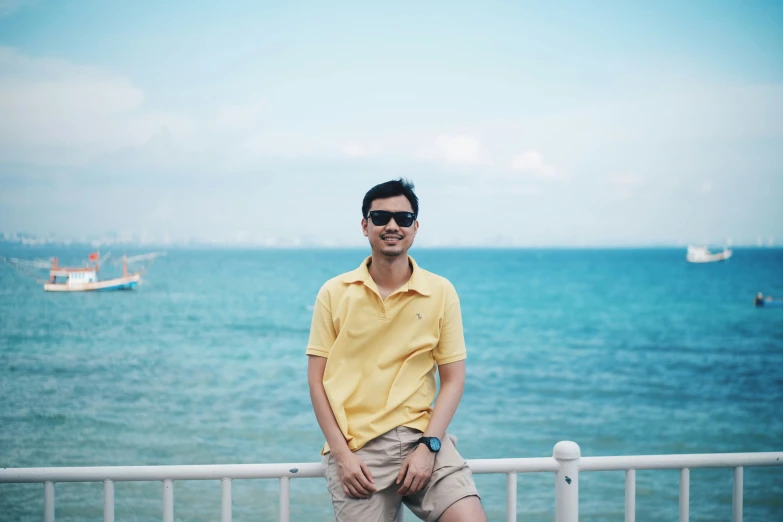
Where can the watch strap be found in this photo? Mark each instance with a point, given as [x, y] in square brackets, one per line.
[426, 442]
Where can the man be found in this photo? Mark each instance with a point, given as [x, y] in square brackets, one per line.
[378, 334]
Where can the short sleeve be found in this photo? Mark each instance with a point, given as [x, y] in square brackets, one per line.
[451, 345]
[322, 333]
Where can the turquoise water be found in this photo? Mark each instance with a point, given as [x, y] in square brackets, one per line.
[622, 351]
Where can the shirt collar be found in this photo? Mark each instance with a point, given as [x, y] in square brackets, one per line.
[417, 282]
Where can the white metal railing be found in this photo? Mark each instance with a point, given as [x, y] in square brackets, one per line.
[566, 462]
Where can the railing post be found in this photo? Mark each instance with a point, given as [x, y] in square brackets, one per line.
[685, 494]
[630, 495]
[567, 454]
[168, 501]
[225, 503]
[736, 497]
[48, 501]
[108, 500]
[285, 499]
[511, 497]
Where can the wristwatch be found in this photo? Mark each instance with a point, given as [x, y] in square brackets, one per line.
[432, 443]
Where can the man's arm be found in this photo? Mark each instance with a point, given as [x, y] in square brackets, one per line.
[452, 385]
[417, 468]
[323, 411]
[355, 476]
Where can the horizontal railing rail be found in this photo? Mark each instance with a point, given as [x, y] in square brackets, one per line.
[696, 460]
[566, 463]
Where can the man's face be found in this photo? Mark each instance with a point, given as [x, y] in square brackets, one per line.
[391, 239]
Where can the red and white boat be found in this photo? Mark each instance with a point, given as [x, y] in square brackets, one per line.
[84, 278]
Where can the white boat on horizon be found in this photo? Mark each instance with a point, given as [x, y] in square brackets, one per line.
[700, 254]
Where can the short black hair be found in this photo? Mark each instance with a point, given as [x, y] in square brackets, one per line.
[389, 189]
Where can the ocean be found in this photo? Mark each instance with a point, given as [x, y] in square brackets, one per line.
[622, 351]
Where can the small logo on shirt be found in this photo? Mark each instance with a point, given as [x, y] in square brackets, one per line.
[418, 315]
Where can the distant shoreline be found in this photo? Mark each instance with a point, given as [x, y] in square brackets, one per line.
[222, 246]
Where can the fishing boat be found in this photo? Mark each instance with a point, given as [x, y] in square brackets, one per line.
[699, 254]
[85, 278]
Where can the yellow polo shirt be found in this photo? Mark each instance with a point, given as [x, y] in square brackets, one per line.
[382, 355]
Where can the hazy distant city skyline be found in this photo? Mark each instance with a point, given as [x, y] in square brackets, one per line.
[559, 124]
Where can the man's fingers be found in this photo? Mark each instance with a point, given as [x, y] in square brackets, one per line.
[356, 478]
[403, 470]
[419, 484]
[406, 486]
[365, 484]
[367, 474]
[415, 484]
[360, 488]
[350, 490]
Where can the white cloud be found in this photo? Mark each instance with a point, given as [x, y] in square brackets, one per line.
[458, 149]
[532, 161]
[353, 150]
[500, 189]
[50, 106]
[239, 117]
[618, 194]
[705, 187]
[359, 150]
[672, 113]
[626, 179]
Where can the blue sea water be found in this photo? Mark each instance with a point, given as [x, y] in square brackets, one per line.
[623, 351]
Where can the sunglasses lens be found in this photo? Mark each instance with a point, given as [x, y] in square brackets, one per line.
[380, 218]
[403, 219]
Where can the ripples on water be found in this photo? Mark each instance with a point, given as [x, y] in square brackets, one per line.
[624, 352]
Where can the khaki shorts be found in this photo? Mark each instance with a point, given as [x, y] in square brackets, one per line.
[451, 480]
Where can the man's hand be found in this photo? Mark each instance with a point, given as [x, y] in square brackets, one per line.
[416, 471]
[355, 476]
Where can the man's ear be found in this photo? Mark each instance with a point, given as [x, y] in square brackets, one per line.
[364, 227]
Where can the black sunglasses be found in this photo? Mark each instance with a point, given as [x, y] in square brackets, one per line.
[382, 217]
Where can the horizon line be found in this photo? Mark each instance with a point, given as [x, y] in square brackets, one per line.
[251, 246]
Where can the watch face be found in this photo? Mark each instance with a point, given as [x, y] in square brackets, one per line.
[434, 444]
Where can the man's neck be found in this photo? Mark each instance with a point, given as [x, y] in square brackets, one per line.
[390, 273]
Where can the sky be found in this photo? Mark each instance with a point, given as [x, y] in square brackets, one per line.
[528, 124]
